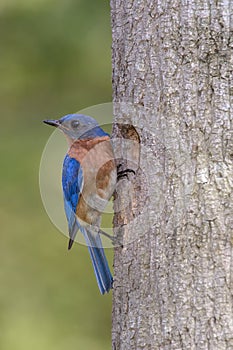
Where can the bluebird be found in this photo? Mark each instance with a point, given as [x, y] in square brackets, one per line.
[88, 180]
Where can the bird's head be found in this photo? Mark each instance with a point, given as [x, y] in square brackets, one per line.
[77, 126]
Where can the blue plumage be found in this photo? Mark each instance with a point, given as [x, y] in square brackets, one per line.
[84, 134]
[99, 261]
[72, 180]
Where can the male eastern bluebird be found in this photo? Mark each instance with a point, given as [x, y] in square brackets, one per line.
[88, 179]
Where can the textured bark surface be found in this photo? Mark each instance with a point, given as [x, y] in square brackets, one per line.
[173, 278]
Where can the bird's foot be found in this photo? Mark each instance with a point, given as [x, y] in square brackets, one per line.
[125, 173]
[115, 241]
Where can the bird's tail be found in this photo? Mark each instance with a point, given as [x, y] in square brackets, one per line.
[99, 261]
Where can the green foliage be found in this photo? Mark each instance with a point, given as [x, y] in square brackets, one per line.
[55, 59]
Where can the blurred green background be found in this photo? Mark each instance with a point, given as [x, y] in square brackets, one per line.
[54, 59]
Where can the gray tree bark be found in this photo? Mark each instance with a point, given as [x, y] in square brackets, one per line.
[172, 73]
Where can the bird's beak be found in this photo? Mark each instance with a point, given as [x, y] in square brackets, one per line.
[52, 122]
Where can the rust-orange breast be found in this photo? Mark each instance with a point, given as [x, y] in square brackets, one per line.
[99, 174]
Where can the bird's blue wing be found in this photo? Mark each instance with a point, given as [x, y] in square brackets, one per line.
[72, 180]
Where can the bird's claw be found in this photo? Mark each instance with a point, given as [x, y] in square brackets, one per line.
[124, 173]
[115, 241]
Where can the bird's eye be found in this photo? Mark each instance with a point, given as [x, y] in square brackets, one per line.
[74, 124]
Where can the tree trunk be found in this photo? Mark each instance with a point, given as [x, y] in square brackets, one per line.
[173, 277]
